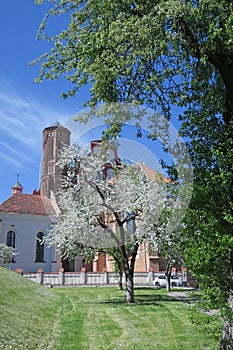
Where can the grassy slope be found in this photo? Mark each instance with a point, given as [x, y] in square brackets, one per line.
[33, 317]
[28, 313]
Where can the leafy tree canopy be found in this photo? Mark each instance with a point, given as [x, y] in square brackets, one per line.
[151, 52]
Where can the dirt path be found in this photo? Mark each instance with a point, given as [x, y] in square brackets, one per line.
[181, 296]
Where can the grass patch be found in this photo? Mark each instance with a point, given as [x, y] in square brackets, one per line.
[34, 317]
[28, 313]
[98, 318]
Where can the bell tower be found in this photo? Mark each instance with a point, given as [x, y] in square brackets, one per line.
[17, 188]
[55, 137]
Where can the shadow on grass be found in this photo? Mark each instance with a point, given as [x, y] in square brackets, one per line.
[143, 296]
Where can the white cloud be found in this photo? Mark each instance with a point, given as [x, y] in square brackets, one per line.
[14, 152]
[21, 123]
[10, 159]
[17, 121]
[23, 120]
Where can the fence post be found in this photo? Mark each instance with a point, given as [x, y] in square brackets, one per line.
[105, 276]
[150, 275]
[83, 275]
[40, 276]
[61, 277]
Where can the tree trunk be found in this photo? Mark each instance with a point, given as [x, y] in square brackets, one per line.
[227, 336]
[168, 287]
[168, 273]
[227, 332]
[129, 286]
[128, 264]
[120, 280]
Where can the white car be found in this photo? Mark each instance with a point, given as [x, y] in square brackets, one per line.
[161, 281]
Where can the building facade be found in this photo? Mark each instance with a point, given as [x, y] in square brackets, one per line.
[25, 219]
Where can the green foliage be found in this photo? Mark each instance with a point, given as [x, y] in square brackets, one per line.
[206, 323]
[153, 52]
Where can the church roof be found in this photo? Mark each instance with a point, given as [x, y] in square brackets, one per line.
[17, 185]
[21, 203]
[153, 174]
[56, 125]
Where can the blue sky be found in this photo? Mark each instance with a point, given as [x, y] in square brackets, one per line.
[26, 108]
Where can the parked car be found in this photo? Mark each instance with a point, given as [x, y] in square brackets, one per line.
[176, 281]
[161, 281]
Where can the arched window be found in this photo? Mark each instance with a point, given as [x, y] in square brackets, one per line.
[10, 241]
[40, 247]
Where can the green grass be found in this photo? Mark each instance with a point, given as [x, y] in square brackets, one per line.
[36, 317]
[98, 318]
[28, 313]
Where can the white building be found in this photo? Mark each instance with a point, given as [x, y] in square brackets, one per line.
[26, 218]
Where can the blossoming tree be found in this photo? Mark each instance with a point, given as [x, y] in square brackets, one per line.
[98, 211]
[6, 253]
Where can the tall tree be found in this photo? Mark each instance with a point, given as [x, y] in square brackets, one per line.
[97, 210]
[164, 53]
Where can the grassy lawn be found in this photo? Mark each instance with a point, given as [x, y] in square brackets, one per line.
[36, 317]
[98, 318]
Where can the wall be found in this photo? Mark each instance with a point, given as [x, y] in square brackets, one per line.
[26, 228]
[86, 278]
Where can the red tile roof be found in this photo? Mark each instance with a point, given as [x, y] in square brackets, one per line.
[153, 174]
[21, 203]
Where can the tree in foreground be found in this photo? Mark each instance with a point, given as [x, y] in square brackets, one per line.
[98, 212]
[165, 53]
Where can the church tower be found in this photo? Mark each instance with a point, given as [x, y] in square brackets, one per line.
[55, 137]
[17, 188]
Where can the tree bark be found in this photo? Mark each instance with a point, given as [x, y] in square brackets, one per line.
[129, 286]
[129, 271]
[227, 332]
[120, 280]
[168, 276]
[227, 336]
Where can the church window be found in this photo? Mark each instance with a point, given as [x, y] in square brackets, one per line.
[131, 225]
[40, 247]
[50, 169]
[10, 241]
[50, 148]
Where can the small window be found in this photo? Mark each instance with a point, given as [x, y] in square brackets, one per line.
[40, 247]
